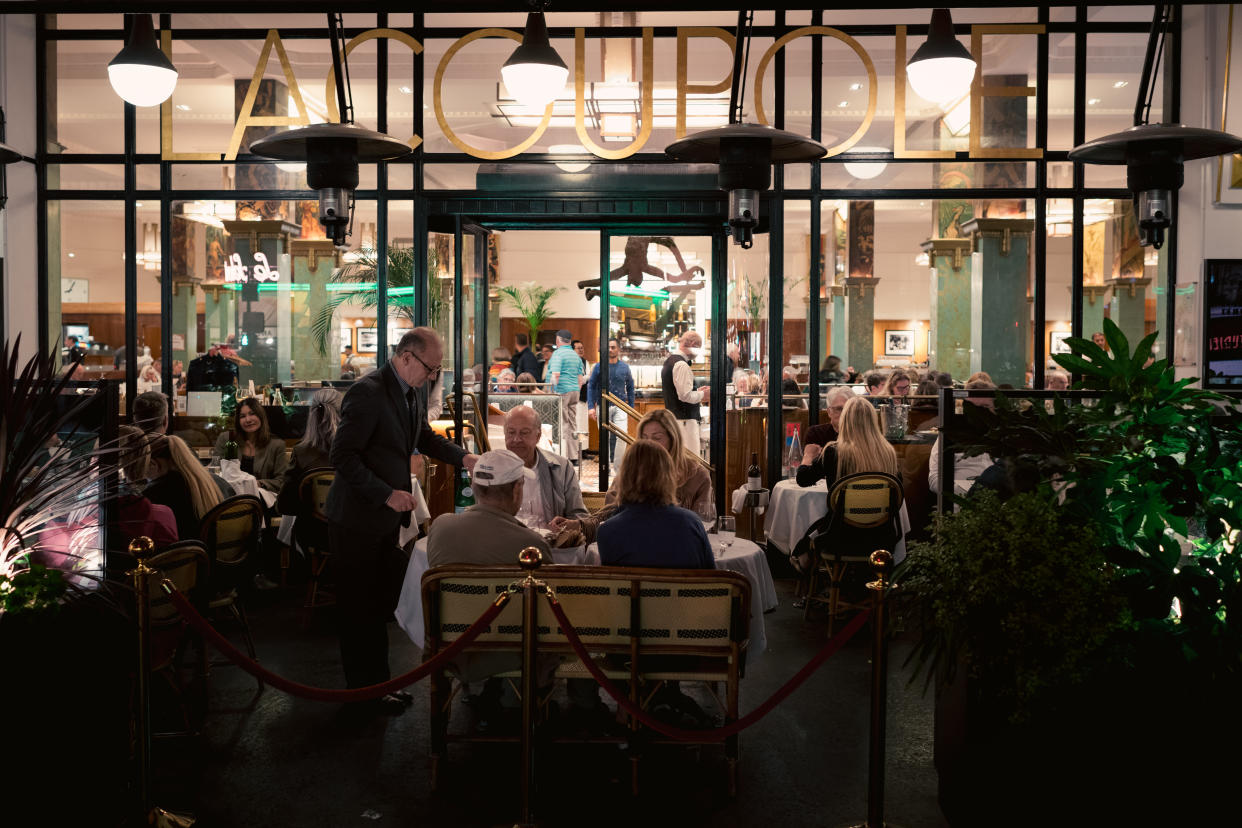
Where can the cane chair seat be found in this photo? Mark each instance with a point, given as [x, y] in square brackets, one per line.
[230, 530]
[312, 533]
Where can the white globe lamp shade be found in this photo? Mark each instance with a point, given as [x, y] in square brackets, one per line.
[534, 84]
[942, 69]
[141, 74]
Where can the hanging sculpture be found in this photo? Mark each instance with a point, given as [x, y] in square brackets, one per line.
[635, 265]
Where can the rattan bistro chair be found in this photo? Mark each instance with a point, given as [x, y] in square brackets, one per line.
[230, 530]
[864, 511]
[311, 531]
[185, 564]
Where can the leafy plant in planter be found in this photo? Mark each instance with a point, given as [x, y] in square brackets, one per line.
[1139, 560]
[401, 261]
[533, 301]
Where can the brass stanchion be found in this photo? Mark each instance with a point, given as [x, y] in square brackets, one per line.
[882, 563]
[529, 559]
[140, 548]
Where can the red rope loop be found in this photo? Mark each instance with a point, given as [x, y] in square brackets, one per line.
[718, 734]
[323, 694]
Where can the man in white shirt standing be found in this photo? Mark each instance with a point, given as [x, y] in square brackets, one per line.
[680, 395]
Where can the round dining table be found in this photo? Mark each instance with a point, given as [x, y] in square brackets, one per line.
[793, 508]
[741, 556]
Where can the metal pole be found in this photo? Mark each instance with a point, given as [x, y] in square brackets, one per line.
[882, 563]
[140, 548]
[529, 559]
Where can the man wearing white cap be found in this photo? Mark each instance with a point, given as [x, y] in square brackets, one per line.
[488, 532]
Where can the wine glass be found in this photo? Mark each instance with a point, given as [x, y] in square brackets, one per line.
[726, 528]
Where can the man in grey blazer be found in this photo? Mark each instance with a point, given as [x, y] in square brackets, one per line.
[383, 421]
[555, 491]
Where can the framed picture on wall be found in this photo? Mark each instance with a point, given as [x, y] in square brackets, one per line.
[1222, 323]
[347, 337]
[368, 340]
[898, 343]
[1056, 342]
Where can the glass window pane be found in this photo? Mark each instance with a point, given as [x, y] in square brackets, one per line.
[86, 278]
[86, 177]
[85, 115]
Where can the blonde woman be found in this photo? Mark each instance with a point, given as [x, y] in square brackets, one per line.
[648, 528]
[692, 487]
[179, 481]
[860, 447]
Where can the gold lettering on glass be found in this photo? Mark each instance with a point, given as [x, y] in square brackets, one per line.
[329, 88]
[899, 106]
[166, 114]
[978, 92]
[685, 88]
[872, 91]
[647, 85]
[437, 97]
[245, 118]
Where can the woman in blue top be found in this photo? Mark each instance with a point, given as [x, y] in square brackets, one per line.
[648, 529]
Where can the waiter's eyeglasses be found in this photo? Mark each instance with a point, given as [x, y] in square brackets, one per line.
[431, 372]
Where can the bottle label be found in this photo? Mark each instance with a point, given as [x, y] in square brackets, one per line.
[467, 491]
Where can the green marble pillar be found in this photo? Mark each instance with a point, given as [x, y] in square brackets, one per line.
[1129, 307]
[860, 322]
[219, 313]
[950, 262]
[1094, 302]
[1164, 342]
[313, 263]
[1000, 272]
[840, 331]
[184, 321]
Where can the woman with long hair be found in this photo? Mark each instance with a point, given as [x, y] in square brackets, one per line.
[179, 481]
[137, 516]
[314, 449]
[860, 447]
[260, 454]
[648, 528]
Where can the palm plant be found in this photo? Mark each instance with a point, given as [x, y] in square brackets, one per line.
[533, 301]
[44, 477]
[401, 274]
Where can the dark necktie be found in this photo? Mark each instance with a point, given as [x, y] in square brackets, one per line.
[409, 401]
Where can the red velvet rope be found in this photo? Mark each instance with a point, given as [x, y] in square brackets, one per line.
[305, 691]
[718, 734]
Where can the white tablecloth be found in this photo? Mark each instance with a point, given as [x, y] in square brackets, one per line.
[408, 533]
[743, 556]
[793, 509]
[245, 483]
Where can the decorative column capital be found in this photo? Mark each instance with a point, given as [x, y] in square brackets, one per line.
[949, 248]
[1001, 228]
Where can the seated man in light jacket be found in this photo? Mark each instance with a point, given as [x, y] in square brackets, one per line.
[554, 492]
[488, 532]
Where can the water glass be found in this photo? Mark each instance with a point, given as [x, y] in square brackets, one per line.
[726, 528]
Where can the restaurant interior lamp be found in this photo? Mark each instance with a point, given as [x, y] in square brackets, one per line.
[942, 68]
[534, 74]
[1154, 153]
[745, 154]
[864, 170]
[141, 73]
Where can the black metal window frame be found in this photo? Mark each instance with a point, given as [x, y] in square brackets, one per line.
[463, 203]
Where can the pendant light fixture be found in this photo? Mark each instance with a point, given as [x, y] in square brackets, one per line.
[141, 73]
[332, 151]
[534, 74]
[942, 68]
[745, 153]
[1154, 153]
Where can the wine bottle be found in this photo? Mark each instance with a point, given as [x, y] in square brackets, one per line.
[230, 448]
[464, 496]
[754, 476]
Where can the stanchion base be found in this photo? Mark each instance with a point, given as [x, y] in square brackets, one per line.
[865, 824]
[166, 819]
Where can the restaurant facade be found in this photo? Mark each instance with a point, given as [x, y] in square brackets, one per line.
[951, 235]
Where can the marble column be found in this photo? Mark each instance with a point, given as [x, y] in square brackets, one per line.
[1094, 303]
[860, 323]
[950, 262]
[219, 313]
[265, 313]
[1129, 308]
[1000, 272]
[313, 263]
[840, 331]
[184, 321]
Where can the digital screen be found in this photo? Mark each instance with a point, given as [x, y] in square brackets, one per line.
[1222, 323]
[82, 332]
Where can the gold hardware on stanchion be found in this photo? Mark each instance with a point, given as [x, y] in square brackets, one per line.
[882, 564]
[529, 559]
[140, 548]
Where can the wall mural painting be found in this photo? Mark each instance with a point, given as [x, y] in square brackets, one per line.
[216, 257]
[1093, 253]
[636, 266]
[271, 99]
[307, 213]
[862, 238]
[1128, 252]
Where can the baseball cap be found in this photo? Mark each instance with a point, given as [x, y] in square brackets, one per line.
[496, 468]
[565, 335]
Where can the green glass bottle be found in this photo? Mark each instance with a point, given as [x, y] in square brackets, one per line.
[463, 497]
[231, 448]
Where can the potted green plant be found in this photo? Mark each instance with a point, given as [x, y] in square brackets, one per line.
[1081, 633]
[532, 301]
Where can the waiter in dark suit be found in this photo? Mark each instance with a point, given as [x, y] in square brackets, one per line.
[383, 420]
